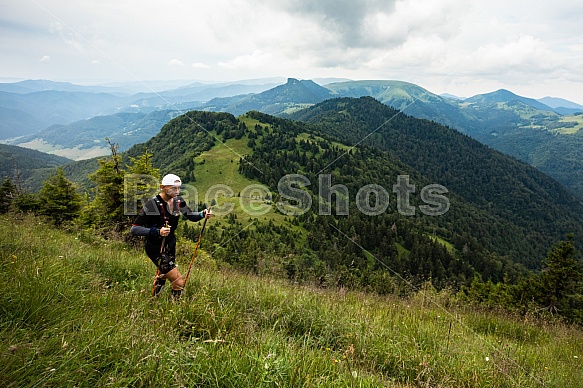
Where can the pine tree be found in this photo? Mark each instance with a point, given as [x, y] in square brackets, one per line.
[59, 199]
[141, 182]
[560, 275]
[107, 208]
[8, 193]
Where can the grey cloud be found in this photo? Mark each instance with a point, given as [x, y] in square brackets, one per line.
[344, 19]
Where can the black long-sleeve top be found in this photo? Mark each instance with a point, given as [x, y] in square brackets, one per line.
[156, 212]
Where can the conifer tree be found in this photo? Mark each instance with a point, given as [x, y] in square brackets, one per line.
[106, 210]
[560, 275]
[141, 182]
[59, 199]
[7, 195]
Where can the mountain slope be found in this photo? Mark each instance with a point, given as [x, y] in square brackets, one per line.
[491, 181]
[81, 316]
[197, 134]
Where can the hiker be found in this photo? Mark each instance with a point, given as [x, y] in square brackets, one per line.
[157, 221]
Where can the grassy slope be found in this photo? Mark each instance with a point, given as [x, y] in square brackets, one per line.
[75, 311]
[569, 119]
[217, 175]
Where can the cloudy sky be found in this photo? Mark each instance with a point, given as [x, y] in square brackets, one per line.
[463, 47]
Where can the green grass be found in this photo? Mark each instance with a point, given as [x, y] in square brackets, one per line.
[310, 137]
[449, 246]
[75, 311]
[218, 177]
[221, 164]
[569, 119]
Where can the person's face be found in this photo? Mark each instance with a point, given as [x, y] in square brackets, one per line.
[171, 191]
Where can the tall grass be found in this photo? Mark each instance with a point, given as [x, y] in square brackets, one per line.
[76, 311]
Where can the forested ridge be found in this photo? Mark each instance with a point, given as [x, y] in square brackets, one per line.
[339, 238]
[500, 185]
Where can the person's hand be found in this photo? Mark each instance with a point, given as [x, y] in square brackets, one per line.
[164, 231]
[207, 213]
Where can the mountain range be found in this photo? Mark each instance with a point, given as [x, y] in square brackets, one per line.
[503, 214]
[41, 103]
[545, 133]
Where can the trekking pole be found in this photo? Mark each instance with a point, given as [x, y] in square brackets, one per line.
[195, 250]
[157, 266]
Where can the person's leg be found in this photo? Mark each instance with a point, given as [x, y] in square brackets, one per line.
[177, 282]
[159, 283]
[153, 253]
[173, 275]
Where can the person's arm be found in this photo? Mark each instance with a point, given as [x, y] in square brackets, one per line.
[140, 225]
[188, 213]
[138, 230]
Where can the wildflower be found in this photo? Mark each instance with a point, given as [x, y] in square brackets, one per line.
[575, 357]
[335, 360]
[487, 359]
[354, 374]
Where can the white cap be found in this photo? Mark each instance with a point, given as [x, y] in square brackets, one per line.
[171, 180]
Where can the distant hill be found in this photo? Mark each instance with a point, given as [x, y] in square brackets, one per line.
[30, 86]
[562, 106]
[78, 138]
[451, 96]
[32, 166]
[53, 107]
[14, 120]
[506, 96]
[293, 95]
[34, 105]
[410, 99]
[555, 102]
[193, 95]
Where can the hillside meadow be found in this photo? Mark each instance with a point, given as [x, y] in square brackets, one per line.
[75, 311]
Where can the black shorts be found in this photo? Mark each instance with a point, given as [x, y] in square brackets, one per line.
[166, 261]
